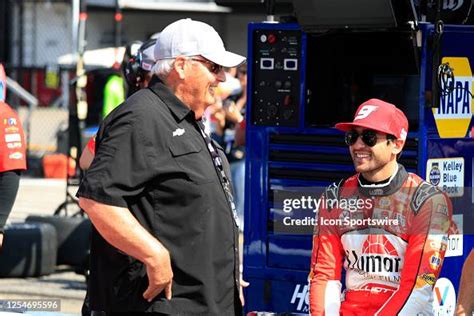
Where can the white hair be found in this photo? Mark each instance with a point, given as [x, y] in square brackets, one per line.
[162, 68]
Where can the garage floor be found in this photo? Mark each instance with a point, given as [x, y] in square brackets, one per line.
[41, 197]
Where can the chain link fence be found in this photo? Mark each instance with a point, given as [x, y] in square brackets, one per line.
[40, 32]
[42, 63]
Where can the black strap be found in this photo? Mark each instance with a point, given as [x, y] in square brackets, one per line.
[217, 160]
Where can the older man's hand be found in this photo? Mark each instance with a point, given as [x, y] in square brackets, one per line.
[160, 275]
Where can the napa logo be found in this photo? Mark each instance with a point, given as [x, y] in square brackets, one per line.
[455, 111]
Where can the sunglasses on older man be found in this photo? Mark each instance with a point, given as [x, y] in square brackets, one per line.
[369, 137]
[211, 66]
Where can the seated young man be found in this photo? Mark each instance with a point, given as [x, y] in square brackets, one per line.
[394, 246]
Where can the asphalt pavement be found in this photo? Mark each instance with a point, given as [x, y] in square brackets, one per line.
[42, 197]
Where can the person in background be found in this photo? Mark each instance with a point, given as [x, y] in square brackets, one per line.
[216, 114]
[137, 70]
[235, 117]
[391, 267]
[138, 74]
[117, 88]
[12, 161]
[114, 93]
[159, 190]
[239, 99]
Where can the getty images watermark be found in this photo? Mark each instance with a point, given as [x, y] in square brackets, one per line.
[307, 210]
[348, 205]
[299, 212]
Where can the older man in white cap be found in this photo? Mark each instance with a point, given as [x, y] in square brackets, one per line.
[158, 192]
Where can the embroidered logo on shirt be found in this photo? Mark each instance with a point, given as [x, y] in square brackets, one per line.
[178, 132]
[16, 155]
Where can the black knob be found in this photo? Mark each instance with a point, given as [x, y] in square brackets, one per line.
[287, 114]
[272, 110]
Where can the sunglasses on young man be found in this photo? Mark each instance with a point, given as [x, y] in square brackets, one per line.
[211, 66]
[369, 137]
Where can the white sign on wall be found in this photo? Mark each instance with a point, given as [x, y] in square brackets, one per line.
[447, 174]
[455, 241]
[444, 298]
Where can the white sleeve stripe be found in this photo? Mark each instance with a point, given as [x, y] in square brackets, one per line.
[332, 298]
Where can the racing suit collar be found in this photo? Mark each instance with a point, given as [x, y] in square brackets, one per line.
[387, 188]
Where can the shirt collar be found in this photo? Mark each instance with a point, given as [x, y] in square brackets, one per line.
[387, 188]
[178, 108]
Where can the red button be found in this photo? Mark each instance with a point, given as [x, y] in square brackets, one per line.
[272, 38]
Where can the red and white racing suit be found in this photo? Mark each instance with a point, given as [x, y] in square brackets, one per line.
[391, 266]
[12, 140]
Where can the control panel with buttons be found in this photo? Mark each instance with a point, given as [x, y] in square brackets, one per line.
[276, 77]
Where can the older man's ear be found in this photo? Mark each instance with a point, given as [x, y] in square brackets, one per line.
[179, 65]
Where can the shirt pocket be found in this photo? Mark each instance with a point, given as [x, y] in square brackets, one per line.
[192, 159]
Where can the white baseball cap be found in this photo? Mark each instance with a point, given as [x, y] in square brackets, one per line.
[191, 38]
